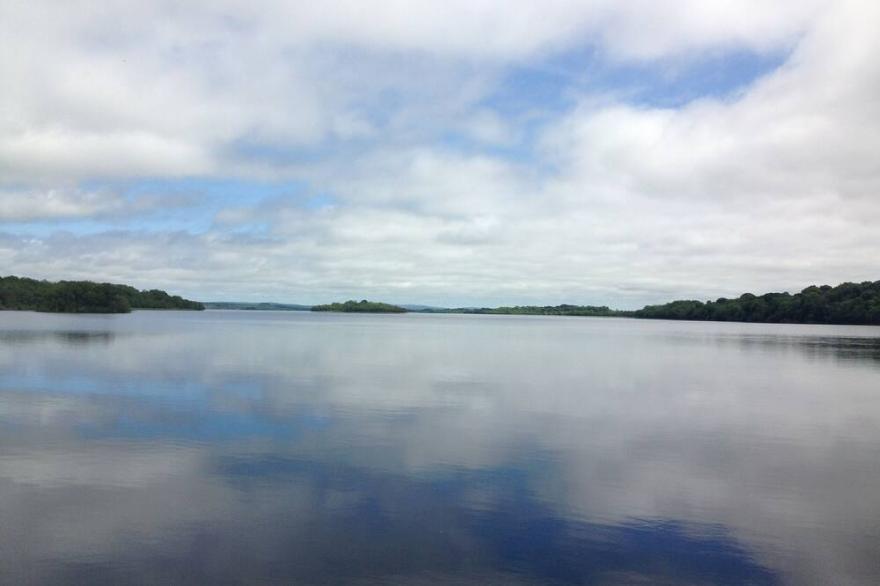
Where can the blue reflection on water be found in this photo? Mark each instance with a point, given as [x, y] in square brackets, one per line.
[216, 427]
[228, 448]
[519, 535]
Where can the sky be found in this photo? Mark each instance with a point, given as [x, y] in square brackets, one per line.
[456, 153]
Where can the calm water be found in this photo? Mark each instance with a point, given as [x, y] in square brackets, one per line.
[294, 448]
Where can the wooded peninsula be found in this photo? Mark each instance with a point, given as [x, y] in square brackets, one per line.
[847, 303]
[22, 293]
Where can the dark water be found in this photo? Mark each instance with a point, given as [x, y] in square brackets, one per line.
[294, 448]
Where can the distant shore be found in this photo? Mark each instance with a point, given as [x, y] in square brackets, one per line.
[845, 304]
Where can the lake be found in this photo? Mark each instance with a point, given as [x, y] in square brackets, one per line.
[235, 447]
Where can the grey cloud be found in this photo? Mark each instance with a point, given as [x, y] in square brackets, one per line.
[25, 204]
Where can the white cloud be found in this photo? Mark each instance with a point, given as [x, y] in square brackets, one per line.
[161, 88]
[770, 187]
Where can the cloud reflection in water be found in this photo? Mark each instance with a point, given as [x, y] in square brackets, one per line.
[306, 448]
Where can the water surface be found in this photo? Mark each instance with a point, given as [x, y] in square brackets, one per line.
[230, 447]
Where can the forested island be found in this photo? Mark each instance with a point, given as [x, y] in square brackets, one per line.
[21, 293]
[848, 303]
[362, 306]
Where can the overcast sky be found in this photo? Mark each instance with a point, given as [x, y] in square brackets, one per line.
[463, 152]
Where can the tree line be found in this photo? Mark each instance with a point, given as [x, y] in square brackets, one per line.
[564, 309]
[22, 293]
[847, 303]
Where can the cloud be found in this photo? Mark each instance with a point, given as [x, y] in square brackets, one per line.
[416, 183]
[25, 205]
[160, 89]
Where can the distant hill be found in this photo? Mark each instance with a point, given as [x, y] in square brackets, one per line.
[848, 303]
[22, 293]
[362, 306]
[255, 306]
